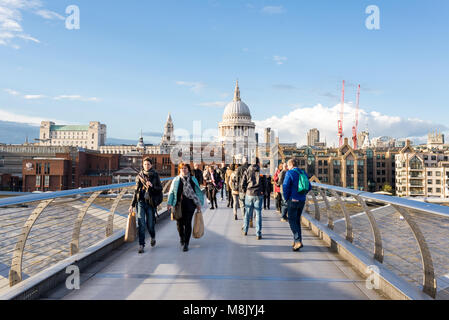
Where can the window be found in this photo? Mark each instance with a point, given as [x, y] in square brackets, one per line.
[438, 190]
[383, 172]
[38, 181]
[429, 190]
[320, 162]
[429, 173]
[429, 182]
[438, 182]
[438, 173]
[325, 162]
[383, 156]
[434, 158]
[47, 182]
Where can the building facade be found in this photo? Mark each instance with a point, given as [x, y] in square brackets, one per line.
[422, 174]
[90, 137]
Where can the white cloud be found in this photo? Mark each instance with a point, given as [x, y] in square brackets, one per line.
[11, 20]
[34, 96]
[293, 127]
[77, 98]
[12, 92]
[215, 104]
[36, 121]
[279, 60]
[273, 9]
[50, 15]
[194, 86]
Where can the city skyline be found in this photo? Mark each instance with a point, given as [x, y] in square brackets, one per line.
[184, 58]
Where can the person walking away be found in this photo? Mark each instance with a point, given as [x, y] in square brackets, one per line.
[240, 173]
[277, 188]
[222, 172]
[212, 179]
[295, 200]
[234, 185]
[263, 181]
[186, 190]
[284, 204]
[198, 173]
[252, 186]
[229, 171]
[268, 190]
[148, 188]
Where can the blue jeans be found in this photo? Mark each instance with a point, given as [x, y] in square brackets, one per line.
[251, 203]
[294, 218]
[145, 218]
[284, 207]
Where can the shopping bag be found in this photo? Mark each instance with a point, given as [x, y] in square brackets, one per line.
[198, 225]
[131, 230]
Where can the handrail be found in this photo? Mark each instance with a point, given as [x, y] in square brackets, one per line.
[66, 193]
[403, 207]
[407, 203]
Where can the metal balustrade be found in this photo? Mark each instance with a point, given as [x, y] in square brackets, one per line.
[40, 230]
[418, 216]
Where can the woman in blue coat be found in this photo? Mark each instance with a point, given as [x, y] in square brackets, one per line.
[186, 190]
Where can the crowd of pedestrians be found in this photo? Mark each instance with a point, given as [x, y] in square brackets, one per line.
[242, 186]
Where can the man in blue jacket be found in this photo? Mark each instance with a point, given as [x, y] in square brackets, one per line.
[295, 201]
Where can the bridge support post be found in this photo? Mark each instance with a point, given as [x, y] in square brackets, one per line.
[349, 233]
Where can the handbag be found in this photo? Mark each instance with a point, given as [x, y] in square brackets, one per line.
[131, 230]
[198, 226]
[176, 213]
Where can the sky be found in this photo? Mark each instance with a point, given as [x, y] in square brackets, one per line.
[132, 62]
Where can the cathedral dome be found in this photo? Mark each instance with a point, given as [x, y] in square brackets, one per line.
[236, 109]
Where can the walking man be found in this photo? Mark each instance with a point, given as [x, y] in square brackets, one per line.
[147, 196]
[240, 173]
[252, 186]
[295, 201]
[284, 209]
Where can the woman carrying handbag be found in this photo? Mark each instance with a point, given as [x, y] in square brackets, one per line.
[185, 194]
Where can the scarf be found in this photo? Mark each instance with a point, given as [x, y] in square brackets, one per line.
[188, 190]
[143, 176]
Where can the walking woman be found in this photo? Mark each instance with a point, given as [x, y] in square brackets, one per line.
[147, 196]
[186, 190]
[234, 185]
[212, 180]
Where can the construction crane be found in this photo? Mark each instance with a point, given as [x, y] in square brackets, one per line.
[355, 127]
[340, 122]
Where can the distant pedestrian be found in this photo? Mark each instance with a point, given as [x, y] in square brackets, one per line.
[277, 188]
[253, 188]
[234, 185]
[295, 201]
[146, 198]
[229, 171]
[212, 180]
[268, 189]
[222, 172]
[198, 173]
[240, 173]
[284, 204]
[186, 190]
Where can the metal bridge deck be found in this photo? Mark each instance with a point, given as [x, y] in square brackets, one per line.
[222, 265]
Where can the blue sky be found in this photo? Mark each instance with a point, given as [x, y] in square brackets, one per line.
[134, 61]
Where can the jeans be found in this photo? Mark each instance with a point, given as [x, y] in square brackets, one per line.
[294, 218]
[242, 203]
[145, 218]
[251, 203]
[284, 207]
[235, 198]
[230, 198]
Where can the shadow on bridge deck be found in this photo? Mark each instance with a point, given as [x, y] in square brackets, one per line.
[222, 265]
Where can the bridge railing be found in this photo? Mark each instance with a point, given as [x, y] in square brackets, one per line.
[39, 230]
[410, 237]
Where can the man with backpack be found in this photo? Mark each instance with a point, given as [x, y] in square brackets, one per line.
[147, 197]
[240, 172]
[253, 189]
[295, 188]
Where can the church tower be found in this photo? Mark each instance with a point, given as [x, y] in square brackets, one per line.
[169, 129]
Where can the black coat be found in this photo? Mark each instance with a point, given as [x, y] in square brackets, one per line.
[155, 191]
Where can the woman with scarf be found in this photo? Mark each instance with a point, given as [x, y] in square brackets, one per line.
[147, 196]
[185, 190]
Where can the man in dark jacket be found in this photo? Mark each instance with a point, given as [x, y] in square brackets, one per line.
[222, 172]
[198, 173]
[212, 180]
[146, 199]
[268, 189]
[252, 186]
[295, 201]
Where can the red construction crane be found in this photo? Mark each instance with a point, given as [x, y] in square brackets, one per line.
[340, 122]
[356, 126]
